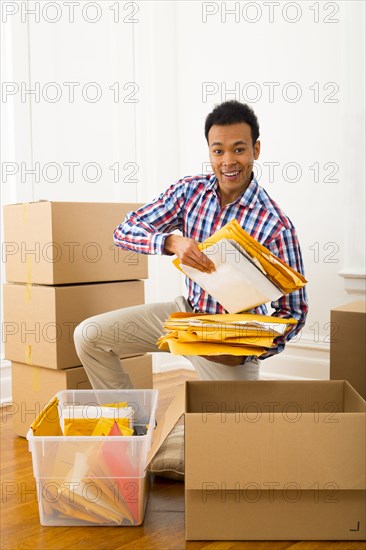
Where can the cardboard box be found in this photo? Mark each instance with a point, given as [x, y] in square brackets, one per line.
[55, 243]
[140, 370]
[287, 464]
[39, 321]
[272, 460]
[33, 387]
[348, 345]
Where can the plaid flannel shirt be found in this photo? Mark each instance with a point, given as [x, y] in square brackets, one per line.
[192, 205]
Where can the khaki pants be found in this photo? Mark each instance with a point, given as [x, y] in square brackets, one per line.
[102, 339]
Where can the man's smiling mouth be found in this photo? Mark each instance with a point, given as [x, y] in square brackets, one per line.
[231, 174]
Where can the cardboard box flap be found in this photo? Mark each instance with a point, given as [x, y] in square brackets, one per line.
[167, 422]
[221, 396]
[353, 402]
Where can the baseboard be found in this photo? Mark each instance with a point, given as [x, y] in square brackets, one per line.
[300, 361]
[165, 362]
[354, 283]
[308, 361]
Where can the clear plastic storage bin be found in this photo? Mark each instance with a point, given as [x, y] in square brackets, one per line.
[94, 480]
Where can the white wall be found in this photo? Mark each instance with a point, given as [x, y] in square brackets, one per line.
[223, 55]
[177, 60]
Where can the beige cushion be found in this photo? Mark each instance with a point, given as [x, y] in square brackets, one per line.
[169, 460]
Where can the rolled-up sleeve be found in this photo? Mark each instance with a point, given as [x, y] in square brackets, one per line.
[145, 230]
[295, 304]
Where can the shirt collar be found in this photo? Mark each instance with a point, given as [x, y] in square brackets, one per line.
[248, 198]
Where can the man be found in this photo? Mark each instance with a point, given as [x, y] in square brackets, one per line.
[197, 206]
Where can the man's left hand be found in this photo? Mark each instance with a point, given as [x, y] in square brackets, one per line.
[229, 360]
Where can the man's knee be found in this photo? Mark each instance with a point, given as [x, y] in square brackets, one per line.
[87, 333]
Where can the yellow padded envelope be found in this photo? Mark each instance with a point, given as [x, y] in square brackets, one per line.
[202, 348]
[48, 422]
[199, 336]
[218, 334]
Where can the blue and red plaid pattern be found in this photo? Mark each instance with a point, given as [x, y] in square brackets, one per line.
[192, 205]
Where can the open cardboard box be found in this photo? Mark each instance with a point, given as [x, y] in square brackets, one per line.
[271, 460]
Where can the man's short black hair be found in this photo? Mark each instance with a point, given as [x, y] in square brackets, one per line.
[233, 112]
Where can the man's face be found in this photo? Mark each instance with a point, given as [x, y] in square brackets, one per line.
[232, 156]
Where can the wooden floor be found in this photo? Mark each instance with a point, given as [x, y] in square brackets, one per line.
[163, 528]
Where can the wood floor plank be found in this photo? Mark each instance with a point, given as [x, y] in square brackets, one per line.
[163, 528]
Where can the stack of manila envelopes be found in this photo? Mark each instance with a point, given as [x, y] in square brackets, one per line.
[247, 273]
[110, 419]
[77, 474]
[221, 334]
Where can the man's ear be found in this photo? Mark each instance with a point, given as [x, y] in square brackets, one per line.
[257, 149]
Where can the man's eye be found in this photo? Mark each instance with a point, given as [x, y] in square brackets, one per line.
[239, 150]
[217, 151]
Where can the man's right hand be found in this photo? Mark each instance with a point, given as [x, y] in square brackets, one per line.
[187, 252]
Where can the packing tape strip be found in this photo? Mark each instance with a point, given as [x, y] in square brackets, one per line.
[35, 379]
[28, 354]
[28, 270]
[28, 293]
[28, 259]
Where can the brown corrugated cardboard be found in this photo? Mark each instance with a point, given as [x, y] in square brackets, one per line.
[140, 370]
[271, 460]
[39, 321]
[33, 387]
[167, 422]
[348, 345]
[65, 242]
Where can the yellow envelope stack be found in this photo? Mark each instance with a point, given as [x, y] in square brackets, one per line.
[206, 334]
[277, 271]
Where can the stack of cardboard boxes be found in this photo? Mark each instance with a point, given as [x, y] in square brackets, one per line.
[62, 267]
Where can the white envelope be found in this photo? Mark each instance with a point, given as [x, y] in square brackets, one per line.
[238, 284]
